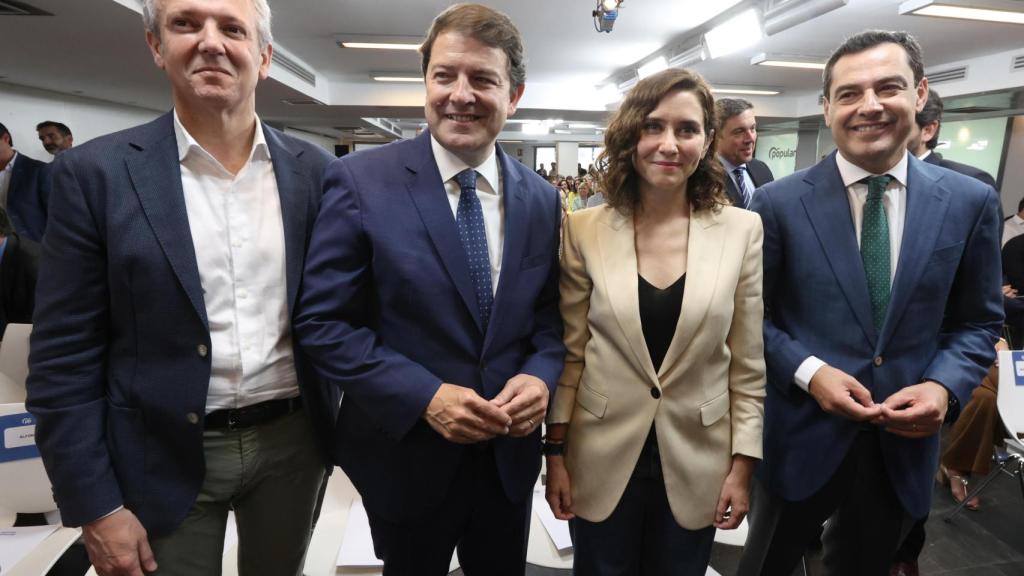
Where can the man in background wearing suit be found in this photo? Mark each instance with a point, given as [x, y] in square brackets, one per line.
[924, 137]
[56, 137]
[431, 299]
[163, 373]
[19, 262]
[24, 188]
[882, 308]
[736, 135]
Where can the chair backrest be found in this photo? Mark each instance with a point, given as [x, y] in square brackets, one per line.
[14, 359]
[1010, 400]
[24, 486]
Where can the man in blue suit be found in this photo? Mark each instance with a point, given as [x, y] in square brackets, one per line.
[163, 375]
[883, 303]
[24, 189]
[430, 298]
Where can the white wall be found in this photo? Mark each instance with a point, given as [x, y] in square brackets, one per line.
[22, 108]
[322, 141]
[1012, 188]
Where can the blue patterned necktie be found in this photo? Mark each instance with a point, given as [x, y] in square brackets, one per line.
[875, 251]
[469, 217]
[741, 185]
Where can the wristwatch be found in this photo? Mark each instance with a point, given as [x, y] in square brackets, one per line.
[552, 448]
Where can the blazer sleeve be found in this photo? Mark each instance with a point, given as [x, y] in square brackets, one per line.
[547, 354]
[67, 384]
[575, 286]
[974, 308]
[746, 344]
[783, 353]
[333, 323]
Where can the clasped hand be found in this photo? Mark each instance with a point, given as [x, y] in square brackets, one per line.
[913, 412]
[464, 417]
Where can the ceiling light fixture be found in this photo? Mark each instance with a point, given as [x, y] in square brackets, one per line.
[1006, 11]
[605, 14]
[736, 33]
[749, 91]
[380, 45]
[688, 55]
[652, 67]
[781, 15]
[535, 128]
[787, 61]
[394, 78]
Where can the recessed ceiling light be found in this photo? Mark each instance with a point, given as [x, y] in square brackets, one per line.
[788, 61]
[383, 78]
[380, 45]
[652, 67]
[747, 91]
[735, 34]
[986, 10]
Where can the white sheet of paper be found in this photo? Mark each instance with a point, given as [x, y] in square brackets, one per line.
[558, 530]
[16, 543]
[356, 544]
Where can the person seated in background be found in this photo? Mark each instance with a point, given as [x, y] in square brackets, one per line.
[1013, 226]
[19, 262]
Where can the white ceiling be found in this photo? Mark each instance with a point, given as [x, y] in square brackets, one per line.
[95, 48]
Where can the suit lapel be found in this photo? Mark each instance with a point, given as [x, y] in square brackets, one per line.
[704, 255]
[927, 203]
[295, 188]
[828, 209]
[617, 245]
[516, 227]
[431, 200]
[153, 167]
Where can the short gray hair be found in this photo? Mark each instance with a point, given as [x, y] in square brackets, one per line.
[151, 19]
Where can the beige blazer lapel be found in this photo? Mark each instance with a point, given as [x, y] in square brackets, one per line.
[704, 255]
[617, 246]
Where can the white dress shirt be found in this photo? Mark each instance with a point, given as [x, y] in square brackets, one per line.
[5, 180]
[895, 204]
[1013, 227]
[238, 237]
[488, 189]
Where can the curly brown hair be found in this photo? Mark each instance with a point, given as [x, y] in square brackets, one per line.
[705, 188]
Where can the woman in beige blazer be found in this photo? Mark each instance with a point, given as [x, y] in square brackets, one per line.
[655, 426]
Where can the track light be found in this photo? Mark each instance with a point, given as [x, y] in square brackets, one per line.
[605, 14]
[987, 10]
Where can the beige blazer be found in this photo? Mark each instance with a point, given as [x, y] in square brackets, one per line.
[706, 402]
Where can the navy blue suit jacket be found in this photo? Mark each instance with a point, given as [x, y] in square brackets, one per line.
[943, 319]
[28, 196]
[759, 172]
[388, 313]
[117, 378]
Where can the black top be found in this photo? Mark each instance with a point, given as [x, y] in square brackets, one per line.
[659, 313]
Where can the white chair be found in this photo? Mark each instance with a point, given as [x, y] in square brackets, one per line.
[14, 362]
[1010, 405]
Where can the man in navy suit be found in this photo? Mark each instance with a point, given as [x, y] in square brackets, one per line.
[163, 373]
[24, 189]
[883, 304]
[736, 138]
[430, 298]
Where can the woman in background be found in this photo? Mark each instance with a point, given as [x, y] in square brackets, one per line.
[656, 423]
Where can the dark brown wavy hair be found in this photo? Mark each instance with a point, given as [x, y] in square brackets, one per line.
[706, 187]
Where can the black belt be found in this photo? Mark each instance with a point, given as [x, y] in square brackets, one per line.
[253, 415]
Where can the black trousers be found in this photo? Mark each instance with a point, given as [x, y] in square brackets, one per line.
[866, 520]
[489, 531]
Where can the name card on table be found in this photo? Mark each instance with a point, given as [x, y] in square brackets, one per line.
[19, 437]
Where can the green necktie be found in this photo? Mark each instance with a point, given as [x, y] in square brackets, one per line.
[874, 248]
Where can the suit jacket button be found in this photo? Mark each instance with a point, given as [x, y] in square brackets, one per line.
[878, 360]
[192, 418]
[655, 393]
[203, 350]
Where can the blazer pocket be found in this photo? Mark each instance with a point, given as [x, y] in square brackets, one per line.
[535, 260]
[946, 253]
[591, 401]
[713, 410]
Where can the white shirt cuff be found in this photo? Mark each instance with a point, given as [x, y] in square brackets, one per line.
[806, 371]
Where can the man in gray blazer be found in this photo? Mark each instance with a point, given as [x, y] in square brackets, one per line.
[163, 376]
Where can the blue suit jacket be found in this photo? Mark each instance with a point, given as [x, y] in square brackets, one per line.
[388, 313]
[28, 196]
[116, 378]
[943, 318]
